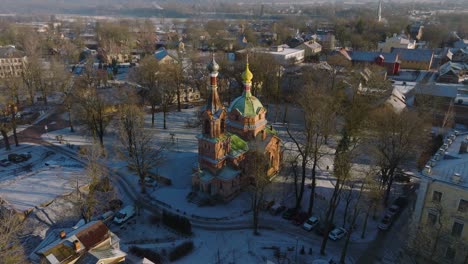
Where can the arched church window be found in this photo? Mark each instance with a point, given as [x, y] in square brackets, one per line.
[206, 127]
[223, 125]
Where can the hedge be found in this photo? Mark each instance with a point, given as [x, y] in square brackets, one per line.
[176, 222]
[180, 251]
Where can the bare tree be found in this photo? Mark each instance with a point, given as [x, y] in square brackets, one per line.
[318, 119]
[141, 152]
[91, 106]
[396, 139]
[11, 251]
[256, 166]
[149, 75]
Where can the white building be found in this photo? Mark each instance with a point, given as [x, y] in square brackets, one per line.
[282, 53]
[12, 62]
[396, 41]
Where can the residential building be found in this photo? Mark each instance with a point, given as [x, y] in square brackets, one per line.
[396, 41]
[326, 39]
[461, 44]
[390, 61]
[227, 135]
[453, 72]
[90, 243]
[282, 53]
[416, 30]
[415, 59]
[12, 62]
[441, 207]
[164, 56]
[460, 55]
[310, 48]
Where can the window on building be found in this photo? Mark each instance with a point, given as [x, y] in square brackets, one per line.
[431, 219]
[457, 229]
[223, 125]
[450, 253]
[463, 206]
[436, 196]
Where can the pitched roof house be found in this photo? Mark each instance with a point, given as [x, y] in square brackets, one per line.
[390, 61]
[90, 243]
[415, 59]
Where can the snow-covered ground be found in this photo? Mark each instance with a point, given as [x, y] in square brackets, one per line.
[180, 155]
[31, 183]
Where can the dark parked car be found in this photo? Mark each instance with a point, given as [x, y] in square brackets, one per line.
[386, 222]
[290, 213]
[300, 218]
[276, 209]
[15, 158]
[25, 156]
[402, 177]
[5, 163]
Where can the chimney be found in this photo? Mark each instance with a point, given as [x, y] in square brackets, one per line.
[62, 234]
[76, 245]
[456, 178]
[463, 147]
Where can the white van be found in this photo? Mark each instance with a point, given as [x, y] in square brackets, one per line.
[124, 214]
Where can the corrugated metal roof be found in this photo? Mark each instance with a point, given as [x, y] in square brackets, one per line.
[422, 55]
[370, 56]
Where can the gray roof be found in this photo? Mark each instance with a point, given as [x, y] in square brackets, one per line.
[370, 56]
[10, 52]
[423, 55]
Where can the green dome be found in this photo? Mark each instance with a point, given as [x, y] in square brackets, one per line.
[247, 104]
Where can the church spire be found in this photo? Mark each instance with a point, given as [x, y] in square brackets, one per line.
[247, 77]
[213, 102]
[379, 11]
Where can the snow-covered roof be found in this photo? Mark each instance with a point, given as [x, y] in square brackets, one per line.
[450, 163]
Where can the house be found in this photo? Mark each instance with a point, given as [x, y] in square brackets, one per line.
[453, 72]
[90, 243]
[389, 61]
[439, 214]
[282, 53]
[310, 48]
[327, 40]
[460, 55]
[396, 41]
[164, 56]
[12, 62]
[227, 135]
[415, 59]
[461, 44]
[416, 31]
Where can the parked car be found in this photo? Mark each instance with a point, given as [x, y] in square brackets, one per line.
[107, 216]
[393, 210]
[15, 158]
[299, 218]
[25, 156]
[124, 214]
[386, 222]
[276, 209]
[266, 205]
[337, 233]
[310, 223]
[149, 182]
[320, 230]
[402, 177]
[5, 163]
[290, 213]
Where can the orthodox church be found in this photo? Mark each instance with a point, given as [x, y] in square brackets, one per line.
[227, 135]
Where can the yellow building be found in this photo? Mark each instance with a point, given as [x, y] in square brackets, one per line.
[12, 62]
[441, 209]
